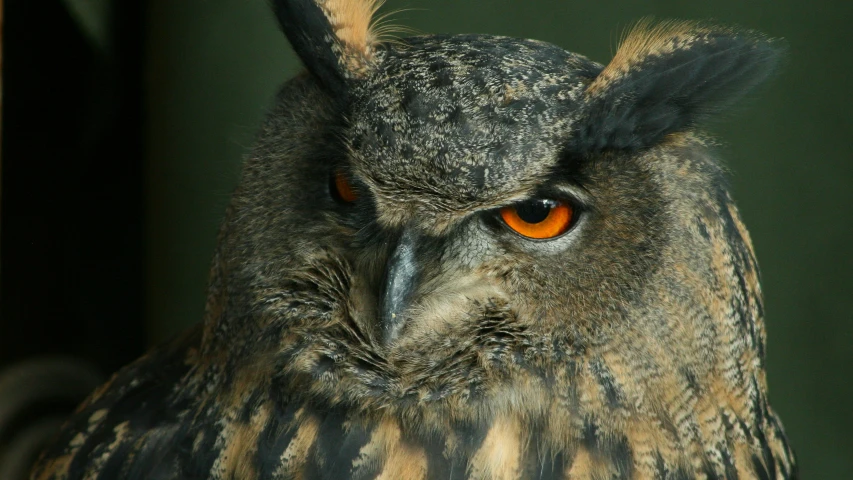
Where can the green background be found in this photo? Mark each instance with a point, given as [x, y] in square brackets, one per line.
[213, 66]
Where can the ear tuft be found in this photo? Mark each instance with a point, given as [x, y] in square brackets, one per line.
[334, 38]
[351, 21]
[644, 40]
[668, 76]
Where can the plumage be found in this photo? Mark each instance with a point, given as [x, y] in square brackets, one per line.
[371, 316]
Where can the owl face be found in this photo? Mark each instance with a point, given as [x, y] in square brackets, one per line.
[447, 139]
[437, 219]
[457, 189]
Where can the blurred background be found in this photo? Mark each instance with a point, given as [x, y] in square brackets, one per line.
[124, 123]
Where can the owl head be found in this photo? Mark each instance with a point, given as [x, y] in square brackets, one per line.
[450, 228]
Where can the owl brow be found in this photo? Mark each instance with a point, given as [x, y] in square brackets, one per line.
[566, 179]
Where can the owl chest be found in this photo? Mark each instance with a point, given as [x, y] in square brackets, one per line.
[303, 444]
[307, 446]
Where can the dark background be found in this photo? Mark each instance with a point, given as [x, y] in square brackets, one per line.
[120, 152]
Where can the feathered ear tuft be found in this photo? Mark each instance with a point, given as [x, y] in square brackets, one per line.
[334, 38]
[666, 77]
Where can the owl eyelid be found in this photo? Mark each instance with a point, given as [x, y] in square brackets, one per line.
[576, 196]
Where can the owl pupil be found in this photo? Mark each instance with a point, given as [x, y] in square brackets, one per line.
[535, 211]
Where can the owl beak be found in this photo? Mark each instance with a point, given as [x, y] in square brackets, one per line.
[401, 277]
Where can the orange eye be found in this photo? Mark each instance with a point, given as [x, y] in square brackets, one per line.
[539, 218]
[343, 187]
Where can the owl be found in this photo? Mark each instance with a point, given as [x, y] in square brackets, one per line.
[467, 257]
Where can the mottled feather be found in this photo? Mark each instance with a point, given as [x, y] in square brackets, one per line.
[632, 346]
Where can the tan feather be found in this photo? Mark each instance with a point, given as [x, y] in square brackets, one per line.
[352, 22]
[643, 40]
